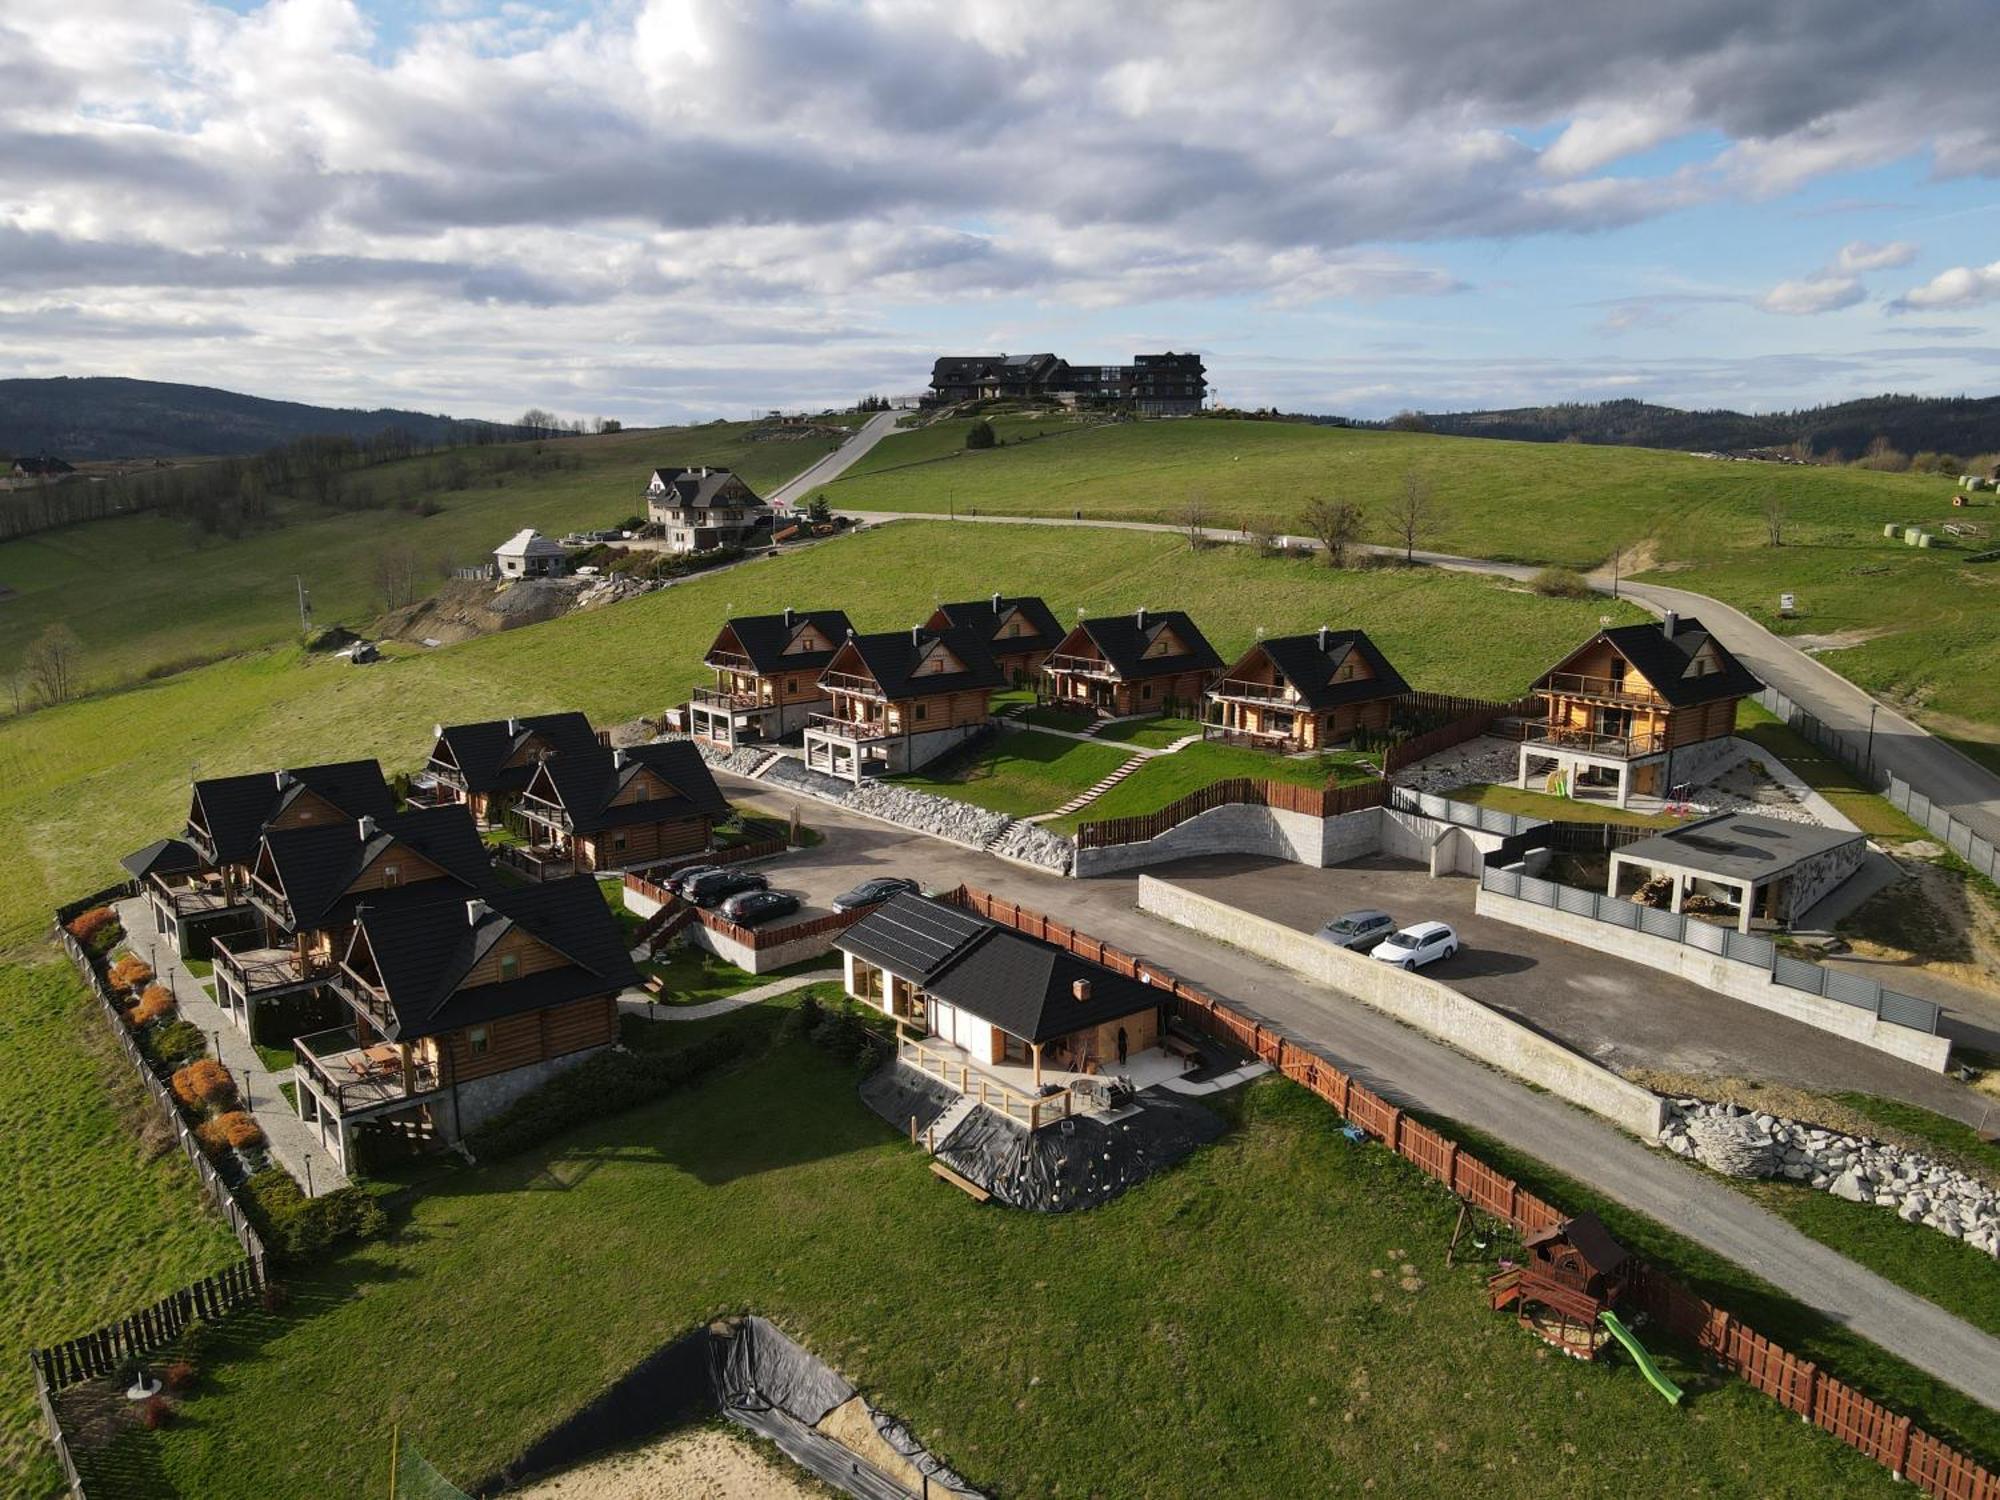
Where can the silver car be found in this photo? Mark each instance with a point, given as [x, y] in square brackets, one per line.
[1359, 930]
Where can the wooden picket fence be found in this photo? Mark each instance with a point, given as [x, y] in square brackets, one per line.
[1798, 1384]
[1285, 796]
[755, 938]
[1470, 718]
[103, 1351]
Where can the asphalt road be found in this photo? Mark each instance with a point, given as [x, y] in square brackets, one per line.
[1960, 785]
[794, 491]
[1417, 1073]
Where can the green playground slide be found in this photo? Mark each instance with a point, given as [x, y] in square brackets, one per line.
[1640, 1357]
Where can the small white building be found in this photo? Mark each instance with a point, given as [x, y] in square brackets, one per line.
[529, 554]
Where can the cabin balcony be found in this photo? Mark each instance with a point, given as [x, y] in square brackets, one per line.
[729, 661]
[203, 897]
[1063, 662]
[1628, 746]
[735, 702]
[857, 730]
[1028, 1095]
[348, 1078]
[1254, 692]
[1607, 689]
[848, 682]
[256, 973]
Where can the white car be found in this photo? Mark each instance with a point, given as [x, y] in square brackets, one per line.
[1417, 944]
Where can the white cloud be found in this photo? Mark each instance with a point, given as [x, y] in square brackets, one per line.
[1859, 255]
[1822, 292]
[1961, 286]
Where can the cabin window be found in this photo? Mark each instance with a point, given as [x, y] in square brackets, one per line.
[392, 876]
[640, 791]
[791, 684]
[923, 710]
[475, 1041]
[617, 841]
[510, 966]
[1147, 692]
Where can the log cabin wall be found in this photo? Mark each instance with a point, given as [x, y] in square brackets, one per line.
[523, 1040]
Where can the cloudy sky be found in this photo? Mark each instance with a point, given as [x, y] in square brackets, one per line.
[688, 208]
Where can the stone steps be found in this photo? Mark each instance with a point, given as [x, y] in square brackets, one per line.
[757, 771]
[1085, 798]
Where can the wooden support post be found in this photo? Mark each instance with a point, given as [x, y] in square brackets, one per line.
[1899, 1448]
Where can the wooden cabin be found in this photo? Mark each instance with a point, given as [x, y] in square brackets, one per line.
[487, 765]
[458, 1008]
[1019, 631]
[616, 809]
[899, 700]
[1147, 662]
[767, 670]
[1304, 692]
[1637, 709]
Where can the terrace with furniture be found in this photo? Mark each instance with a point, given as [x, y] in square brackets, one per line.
[767, 670]
[899, 700]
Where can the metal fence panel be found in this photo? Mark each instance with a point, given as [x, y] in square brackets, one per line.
[1705, 936]
[1541, 892]
[1575, 902]
[1908, 1010]
[1666, 924]
[1506, 882]
[1748, 949]
[1850, 989]
[1619, 913]
[1797, 973]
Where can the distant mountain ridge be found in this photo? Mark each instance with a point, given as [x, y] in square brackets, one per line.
[109, 416]
[1962, 425]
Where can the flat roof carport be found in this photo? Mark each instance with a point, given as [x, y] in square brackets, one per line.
[1737, 849]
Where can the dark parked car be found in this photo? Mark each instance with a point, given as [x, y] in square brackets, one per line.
[1359, 930]
[684, 878]
[718, 885]
[874, 892]
[749, 908]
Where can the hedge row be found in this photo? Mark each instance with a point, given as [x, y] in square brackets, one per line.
[297, 1228]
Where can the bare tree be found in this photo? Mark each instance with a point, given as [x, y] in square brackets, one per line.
[395, 576]
[1194, 519]
[17, 690]
[1415, 513]
[52, 664]
[1774, 519]
[1336, 524]
[538, 422]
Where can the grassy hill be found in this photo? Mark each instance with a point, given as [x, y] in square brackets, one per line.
[84, 783]
[147, 592]
[1925, 625]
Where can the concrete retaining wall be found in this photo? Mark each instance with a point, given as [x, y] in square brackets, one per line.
[1241, 828]
[761, 960]
[1447, 848]
[1433, 1008]
[1725, 976]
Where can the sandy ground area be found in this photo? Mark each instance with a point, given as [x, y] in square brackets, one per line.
[706, 1464]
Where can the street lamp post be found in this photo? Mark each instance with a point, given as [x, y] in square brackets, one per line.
[1872, 707]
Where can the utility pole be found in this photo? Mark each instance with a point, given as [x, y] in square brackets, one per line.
[305, 605]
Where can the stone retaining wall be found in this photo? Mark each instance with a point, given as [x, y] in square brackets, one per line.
[1243, 828]
[1432, 1008]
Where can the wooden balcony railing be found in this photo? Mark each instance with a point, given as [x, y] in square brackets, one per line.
[850, 729]
[1259, 692]
[1081, 666]
[848, 682]
[1619, 689]
[717, 698]
[729, 661]
[1589, 741]
[352, 1077]
[1032, 1110]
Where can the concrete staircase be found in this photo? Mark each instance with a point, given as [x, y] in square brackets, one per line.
[941, 1128]
[1001, 833]
[1084, 798]
[757, 771]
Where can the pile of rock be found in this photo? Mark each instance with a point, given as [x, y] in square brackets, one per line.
[1035, 845]
[742, 760]
[1743, 1143]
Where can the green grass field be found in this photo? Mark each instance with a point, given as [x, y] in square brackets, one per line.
[95, 1225]
[1542, 805]
[1567, 504]
[1020, 772]
[1168, 778]
[1273, 1317]
[82, 784]
[147, 592]
[1150, 734]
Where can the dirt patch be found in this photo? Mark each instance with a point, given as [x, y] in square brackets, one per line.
[1839, 640]
[709, 1463]
[850, 1425]
[1936, 918]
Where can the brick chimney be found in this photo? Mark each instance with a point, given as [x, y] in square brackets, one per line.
[1080, 988]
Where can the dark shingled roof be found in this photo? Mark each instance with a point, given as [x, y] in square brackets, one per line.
[584, 782]
[764, 638]
[983, 616]
[1309, 662]
[1587, 1233]
[237, 808]
[423, 954]
[1123, 640]
[1025, 987]
[1664, 652]
[162, 857]
[481, 751]
[892, 659]
[315, 866]
[701, 489]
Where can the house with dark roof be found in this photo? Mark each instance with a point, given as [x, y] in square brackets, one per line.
[193, 901]
[766, 676]
[1019, 631]
[1304, 692]
[603, 809]
[42, 466]
[1637, 709]
[1147, 662]
[1166, 384]
[699, 510]
[306, 885]
[901, 699]
[990, 1009]
[487, 765]
[457, 1008]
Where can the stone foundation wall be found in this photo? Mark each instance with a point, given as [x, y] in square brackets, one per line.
[469, 1105]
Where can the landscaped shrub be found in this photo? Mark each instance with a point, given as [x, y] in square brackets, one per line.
[297, 1228]
[1561, 583]
[130, 973]
[179, 1375]
[205, 1085]
[173, 1043]
[156, 1412]
[599, 1086]
[841, 1032]
[153, 1004]
[96, 929]
[231, 1131]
